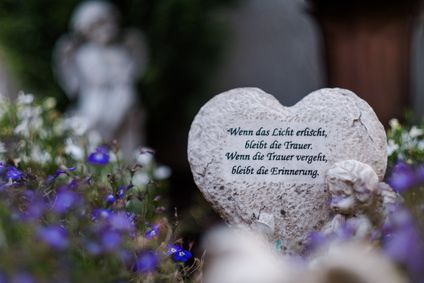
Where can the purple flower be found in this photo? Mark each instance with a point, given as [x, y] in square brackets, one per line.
[402, 241]
[147, 261]
[59, 172]
[22, 277]
[99, 157]
[110, 199]
[121, 192]
[172, 249]
[182, 256]
[73, 184]
[54, 236]
[35, 206]
[178, 253]
[65, 200]
[402, 178]
[93, 248]
[420, 174]
[14, 174]
[122, 222]
[153, 232]
[101, 214]
[62, 171]
[3, 278]
[111, 240]
[314, 241]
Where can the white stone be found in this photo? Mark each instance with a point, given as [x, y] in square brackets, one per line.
[297, 195]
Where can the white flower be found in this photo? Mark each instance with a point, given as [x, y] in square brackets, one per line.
[162, 173]
[49, 103]
[140, 178]
[420, 145]
[415, 132]
[25, 98]
[144, 156]
[40, 156]
[407, 141]
[22, 129]
[77, 124]
[94, 139]
[2, 148]
[394, 124]
[391, 147]
[74, 150]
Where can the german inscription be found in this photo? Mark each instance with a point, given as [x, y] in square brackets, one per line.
[275, 151]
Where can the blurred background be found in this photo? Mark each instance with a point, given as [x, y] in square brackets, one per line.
[199, 48]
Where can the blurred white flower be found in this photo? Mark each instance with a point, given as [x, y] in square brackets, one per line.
[162, 173]
[73, 150]
[22, 129]
[415, 132]
[25, 98]
[30, 120]
[406, 140]
[391, 147]
[76, 124]
[2, 148]
[353, 262]
[94, 139]
[39, 156]
[144, 156]
[49, 103]
[140, 178]
[394, 124]
[420, 145]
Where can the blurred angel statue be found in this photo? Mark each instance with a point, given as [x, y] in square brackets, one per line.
[98, 63]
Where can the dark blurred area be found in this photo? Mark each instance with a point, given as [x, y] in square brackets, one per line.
[198, 48]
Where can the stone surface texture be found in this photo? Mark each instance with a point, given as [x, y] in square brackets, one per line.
[295, 209]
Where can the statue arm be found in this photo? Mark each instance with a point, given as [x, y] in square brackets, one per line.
[64, 66]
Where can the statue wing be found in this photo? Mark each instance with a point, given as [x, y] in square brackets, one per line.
[135, 43]
[64, 65]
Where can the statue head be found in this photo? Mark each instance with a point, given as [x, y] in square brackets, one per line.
[97, 21]
[353, 186]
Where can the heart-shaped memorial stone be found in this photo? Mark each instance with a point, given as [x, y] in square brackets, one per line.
[263, 165]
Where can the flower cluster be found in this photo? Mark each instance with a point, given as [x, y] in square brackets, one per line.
[405, 142]
[71, 209]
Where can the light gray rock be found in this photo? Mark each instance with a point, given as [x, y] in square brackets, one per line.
[291, 201]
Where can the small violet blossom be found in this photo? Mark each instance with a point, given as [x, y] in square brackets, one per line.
[153, 232]
[122, 222]
[146, 262]
[182, 256]
[171, 249]
[402, 178]
[110, 199]
[121, 192]
[101, 214]
[402, 241]
[54, 236]
[13, 174]
[111, 240]
[99, 157]
[65, 200]
[178, 253]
